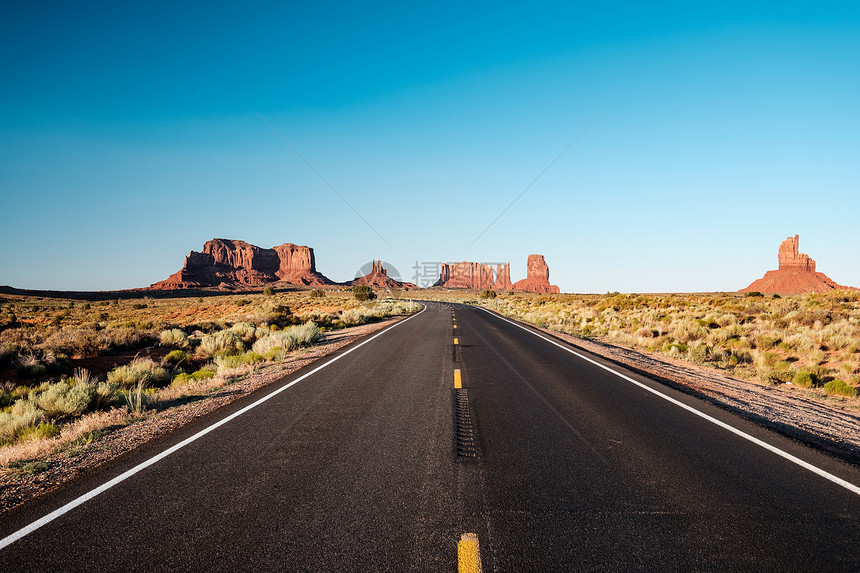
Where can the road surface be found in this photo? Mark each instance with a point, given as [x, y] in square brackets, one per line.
[554, 461]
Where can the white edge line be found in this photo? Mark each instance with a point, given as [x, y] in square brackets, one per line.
[827, 475]
[24, 531]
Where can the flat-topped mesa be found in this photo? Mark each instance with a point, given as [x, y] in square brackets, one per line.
[378, 277]
[226, 262]
[790, 257]
[467, 275]
[537, 277]
[796, 274]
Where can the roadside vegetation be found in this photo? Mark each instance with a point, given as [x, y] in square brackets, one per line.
[803, 341]
[70, 370]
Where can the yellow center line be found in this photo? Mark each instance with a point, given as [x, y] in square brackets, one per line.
[456, 341]
[468, 554]
[458, 379]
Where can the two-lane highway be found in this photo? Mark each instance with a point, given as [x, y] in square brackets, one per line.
[563, 465]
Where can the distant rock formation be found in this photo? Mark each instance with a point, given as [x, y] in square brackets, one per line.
[796, 274]
[225, 262]
[481, 276]
[466, 275]
[503, 277]
[537, 277]
[378, 277]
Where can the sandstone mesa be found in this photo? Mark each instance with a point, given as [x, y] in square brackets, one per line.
[796, 274]
[225, 262]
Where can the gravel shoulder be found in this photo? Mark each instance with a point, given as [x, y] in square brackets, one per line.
[783, 408]
[16, 488]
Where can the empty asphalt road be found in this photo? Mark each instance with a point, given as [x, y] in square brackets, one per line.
[556, 461]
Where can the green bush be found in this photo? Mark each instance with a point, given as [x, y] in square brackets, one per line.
[23, 414]
[806, 379]
[317, 293]
[183, 378]
[488, 293]
[840, 388]
[43, 431]
[61, 400]
[363, 292]
[174, 357]
[252, 357]
[268, 291]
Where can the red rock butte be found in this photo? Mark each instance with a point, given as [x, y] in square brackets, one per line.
[481, 276]
[225, 262]
[537, 277]
[796, 274]
[378, 277]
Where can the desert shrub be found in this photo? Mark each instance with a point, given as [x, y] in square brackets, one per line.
[363, 292]
[317, 293]
[23, 414]
[183, 378]
[43, 431]
[268, 291]
[840, 388]
[140, 371]
[245, 331]
[227, 362]
[29, 366]
[124, 337]
[107, 396]
[288, 339]
[252, 357]
[74, 341]
[136, 398]
[138, 305]
[243, 302]
[488, 293]
[698, 353]
[353, 317]
[174, 338]
[174, 357]
[687, 329]
[805, 379]
[61, 400]
[220, 343]
[780, 374]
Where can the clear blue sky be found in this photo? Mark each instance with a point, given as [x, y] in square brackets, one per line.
[131, 135]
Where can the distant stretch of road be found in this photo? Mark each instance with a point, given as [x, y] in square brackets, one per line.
[455, 421]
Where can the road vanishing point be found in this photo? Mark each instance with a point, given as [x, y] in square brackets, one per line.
[508, 450]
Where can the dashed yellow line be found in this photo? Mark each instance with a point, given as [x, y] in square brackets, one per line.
[458, 379]
[468, 554]
[456, 341]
